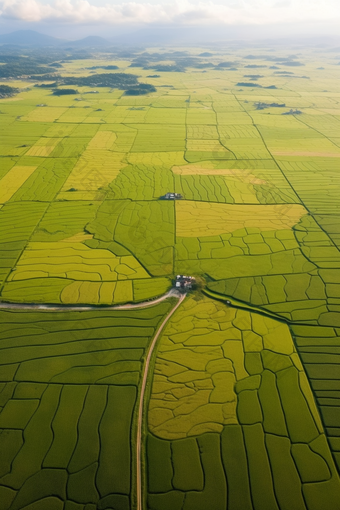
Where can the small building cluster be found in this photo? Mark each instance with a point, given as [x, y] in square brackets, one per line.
[172, 196]
[184, 283]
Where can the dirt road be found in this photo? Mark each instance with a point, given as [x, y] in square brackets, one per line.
[139, 487]
[85, 308]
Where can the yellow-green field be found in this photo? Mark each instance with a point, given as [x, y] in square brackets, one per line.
[242, 401]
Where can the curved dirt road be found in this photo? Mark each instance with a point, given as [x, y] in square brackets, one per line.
[85, 308]
[139, 481]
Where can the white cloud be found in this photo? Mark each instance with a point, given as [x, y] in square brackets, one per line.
[184, 12]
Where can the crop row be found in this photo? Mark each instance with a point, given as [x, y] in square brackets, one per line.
[135, 239]
[13, 239]
[150, 138]
[195, 219]
[63, 290]
[13, 180]
[46, 180]
[231, 411]
[145, 180]
[318, 348]
[303, 298]
[241, 466]
[74, 261]
[243, 241]
[201, 182]
[319, 192]
[68, 392]
[330, 224]
[80, 269]
[206, 365]
[144, 228]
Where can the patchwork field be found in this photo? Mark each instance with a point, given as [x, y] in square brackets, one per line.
[233, 401]
[229, 398]
[69, 391]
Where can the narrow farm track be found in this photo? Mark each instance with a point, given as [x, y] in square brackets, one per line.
[86, 308]
[139, 481]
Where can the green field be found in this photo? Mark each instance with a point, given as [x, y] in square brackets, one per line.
[69, 389]
[242, 398]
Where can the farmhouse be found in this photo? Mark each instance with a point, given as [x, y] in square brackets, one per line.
[184, 283]
[171, 196]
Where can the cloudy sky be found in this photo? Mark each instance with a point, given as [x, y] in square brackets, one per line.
[322, 16]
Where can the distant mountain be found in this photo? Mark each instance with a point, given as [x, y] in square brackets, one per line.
[91, 41]
[29, 38]
[175, 35]
[32, 38]
[156, 36]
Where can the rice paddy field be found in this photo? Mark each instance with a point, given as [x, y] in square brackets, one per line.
[241, 409]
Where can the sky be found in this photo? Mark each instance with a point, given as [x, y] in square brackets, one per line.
[321, 17]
